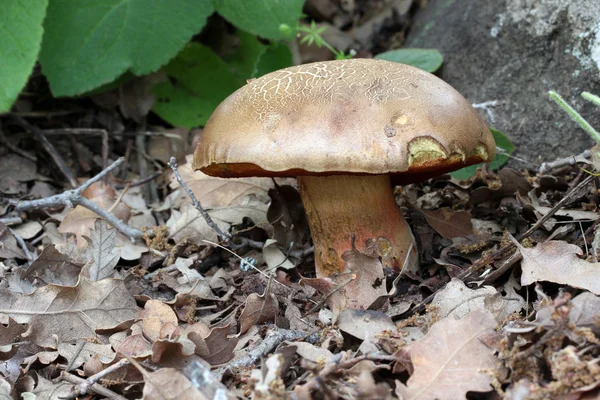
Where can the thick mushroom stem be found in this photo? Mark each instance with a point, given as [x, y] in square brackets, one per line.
[340, 206]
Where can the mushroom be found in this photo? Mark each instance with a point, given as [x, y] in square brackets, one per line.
[345, 128]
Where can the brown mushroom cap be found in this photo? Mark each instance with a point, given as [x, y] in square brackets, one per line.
[357, 116]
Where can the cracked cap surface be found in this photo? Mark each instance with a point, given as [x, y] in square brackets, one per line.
[357, 116]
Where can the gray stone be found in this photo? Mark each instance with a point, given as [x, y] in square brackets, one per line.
[515, 51]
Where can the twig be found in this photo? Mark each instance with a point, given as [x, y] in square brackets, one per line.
[73, 197]
[30, 256]
[139, 182]
[85, 386]
[11, 221]
[195, 202]
[273, 338]
[60, 163]
[563, 162]
[490, 258]
[96, 388]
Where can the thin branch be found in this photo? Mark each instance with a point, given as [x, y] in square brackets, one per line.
[96, 388]
[71, 198]
[60, 163]
[196, 203]
[563, 162]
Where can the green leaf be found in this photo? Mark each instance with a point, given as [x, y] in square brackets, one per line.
[261, 17]
[198, 81]
[503, 143]
[21, 35]
[89, 43]
[245, 58]
[277, 56]
[427, 59]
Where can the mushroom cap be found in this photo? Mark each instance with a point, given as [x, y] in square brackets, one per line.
[357, 116]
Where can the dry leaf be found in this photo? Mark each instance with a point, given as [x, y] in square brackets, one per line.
[448, 223]
[457, 300]
[369, 282]
[101, 252]
[557, 261]
[8, 244]
[361, 323]
[452, 359]
[275, 257]
[48, 390]
[155, 316]
[11, 332]
[218, 344]
[213, 192]
[169, 383]
[310, 352]
[135, 345]
[79, 353]
[53, 267]
[365, 325]
[69, 313]
[14, 170]
[258, 309]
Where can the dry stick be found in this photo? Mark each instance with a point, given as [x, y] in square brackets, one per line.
[273, 338]
[85, 386]
[196, 203]
[490, 258]
[139, 182]
[96, 388]
[562, 162]
[73, 197]
[60, 163]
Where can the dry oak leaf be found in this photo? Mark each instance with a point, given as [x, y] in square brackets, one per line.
[11, 332]
[452, 359]
[457, 300]
[258, 309]
[220, 347]
[155, 316]
[448, 223]
[101, 252]
[68, 313]
[169, 383]
[79, 353]
[369, 284]
[557, 261]
[54, 267]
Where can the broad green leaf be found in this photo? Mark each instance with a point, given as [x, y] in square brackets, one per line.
[20, 39]
[199, 81]
[503, 143]
[427, 59]
[277, 56]
[89, 43]
[245, 58]
[261, 17]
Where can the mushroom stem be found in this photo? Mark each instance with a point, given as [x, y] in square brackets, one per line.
[340, 206]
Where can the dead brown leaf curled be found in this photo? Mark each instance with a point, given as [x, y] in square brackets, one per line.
[258, 309]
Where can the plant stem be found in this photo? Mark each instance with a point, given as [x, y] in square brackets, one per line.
[575, 115]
